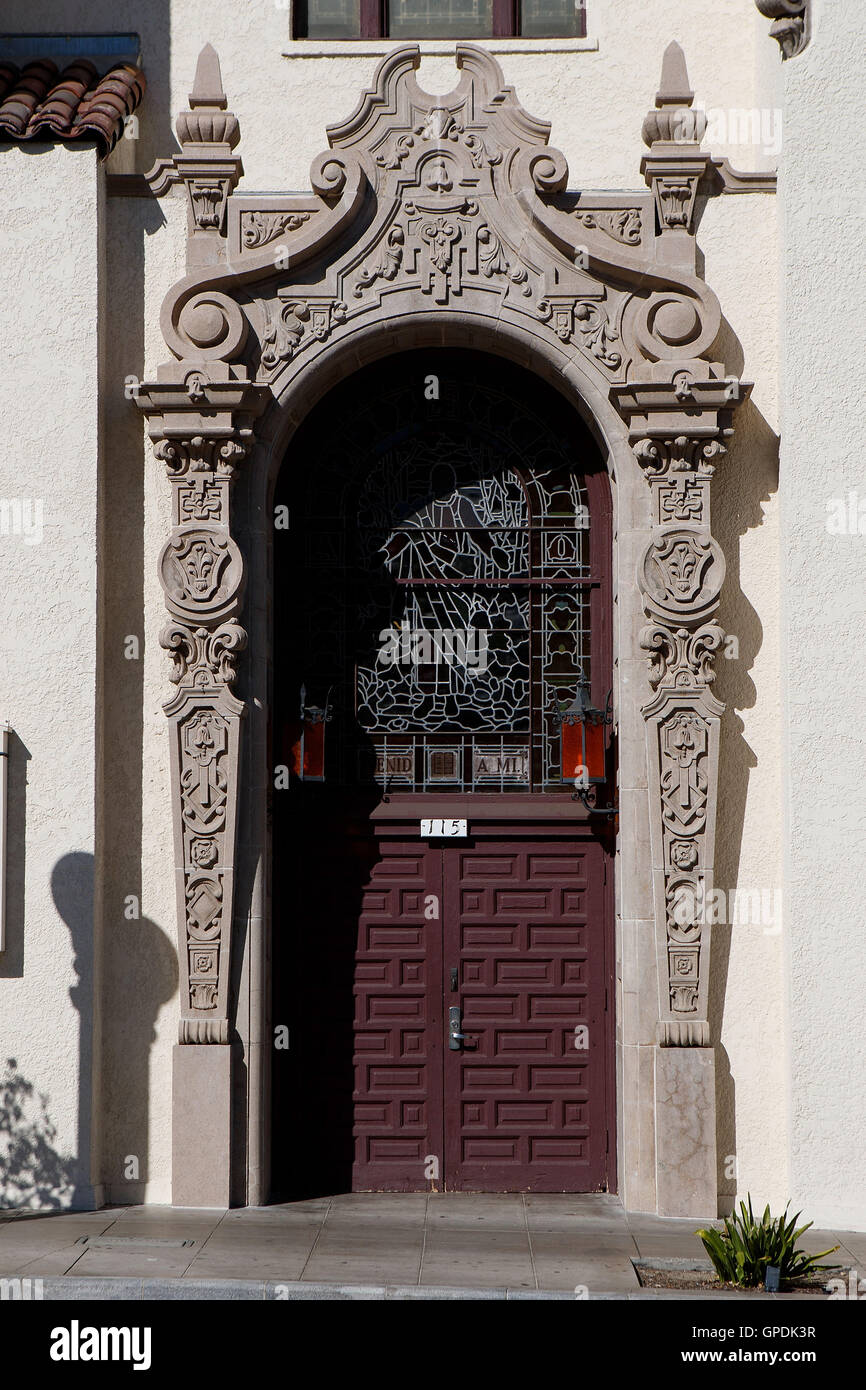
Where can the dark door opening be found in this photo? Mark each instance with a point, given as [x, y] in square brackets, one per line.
[443, 584]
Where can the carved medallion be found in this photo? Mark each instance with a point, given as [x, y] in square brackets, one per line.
[681, 572]
[201, 571]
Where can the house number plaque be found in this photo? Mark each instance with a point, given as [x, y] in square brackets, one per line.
[443, 829]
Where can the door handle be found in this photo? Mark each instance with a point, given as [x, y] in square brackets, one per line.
[455, 1037]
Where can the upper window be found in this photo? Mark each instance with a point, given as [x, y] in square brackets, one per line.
[439, 19]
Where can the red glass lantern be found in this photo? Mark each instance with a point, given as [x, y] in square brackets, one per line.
[583, 741]
[307, 760]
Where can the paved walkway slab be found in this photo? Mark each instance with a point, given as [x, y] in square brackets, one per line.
[399, 1246]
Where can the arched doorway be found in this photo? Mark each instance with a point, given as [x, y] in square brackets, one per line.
[442, 585]
[441, 219]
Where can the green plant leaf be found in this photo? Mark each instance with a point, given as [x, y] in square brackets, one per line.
[743, 1249]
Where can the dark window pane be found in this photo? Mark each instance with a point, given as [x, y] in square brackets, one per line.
[553, 19]
[440, 19]
[332, 19]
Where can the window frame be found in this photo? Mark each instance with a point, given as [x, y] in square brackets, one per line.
[374, 22]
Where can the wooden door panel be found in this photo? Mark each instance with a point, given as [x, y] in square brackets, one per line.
[520, 1109]
[524, 925]
[398, 1022]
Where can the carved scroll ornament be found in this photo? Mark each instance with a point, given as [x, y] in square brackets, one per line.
[791, 27]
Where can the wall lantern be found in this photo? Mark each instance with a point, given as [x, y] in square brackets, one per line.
[308, 748]
[583, 745]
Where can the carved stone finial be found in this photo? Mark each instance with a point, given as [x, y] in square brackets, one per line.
[207, 122]
[674, 88]
[206, 165]
[791, 27]
[673, 120]
[207, 85]
[675, 164]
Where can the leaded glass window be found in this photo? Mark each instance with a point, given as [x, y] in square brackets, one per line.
[447, 566]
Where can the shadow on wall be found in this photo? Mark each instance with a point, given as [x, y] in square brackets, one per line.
[32, 1172]
[747, 477]
[72, 891]
[153, 964]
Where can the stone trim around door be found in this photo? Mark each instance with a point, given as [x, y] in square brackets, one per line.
[445, 220]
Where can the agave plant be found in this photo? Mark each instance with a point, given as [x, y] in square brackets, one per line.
[742, 1251]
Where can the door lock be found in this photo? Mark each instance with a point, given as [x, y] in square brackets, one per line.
[455, 1037]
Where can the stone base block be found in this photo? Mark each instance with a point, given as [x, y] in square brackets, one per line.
[685, 1098]
[201, 1126]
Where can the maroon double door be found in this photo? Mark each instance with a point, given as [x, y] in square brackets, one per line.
[481, 1028]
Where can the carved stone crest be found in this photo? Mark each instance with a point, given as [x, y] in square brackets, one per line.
[682, 572]
[202, 571]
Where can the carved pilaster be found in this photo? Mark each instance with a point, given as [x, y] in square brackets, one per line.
[680, 575]
[201, 571]
[791, 27]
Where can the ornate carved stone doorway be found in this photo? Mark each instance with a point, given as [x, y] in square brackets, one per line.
[442, 221]
[444, 585]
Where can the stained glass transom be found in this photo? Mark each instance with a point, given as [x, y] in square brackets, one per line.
[445, 567]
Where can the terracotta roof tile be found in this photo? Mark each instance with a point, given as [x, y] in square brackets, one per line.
[37, 101]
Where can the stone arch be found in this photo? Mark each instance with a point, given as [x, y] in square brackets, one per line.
[383, 338]
[434, 220]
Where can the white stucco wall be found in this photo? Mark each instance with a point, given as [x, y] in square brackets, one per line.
[49, 415]
[824, 346]
[596, 94]
[145, 253]
[739, 240]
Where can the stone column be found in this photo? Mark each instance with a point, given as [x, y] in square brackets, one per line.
[680, 575]
[200, 412]
[678, 414]
[201, 571]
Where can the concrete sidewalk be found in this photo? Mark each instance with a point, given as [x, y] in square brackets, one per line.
[360, 1245]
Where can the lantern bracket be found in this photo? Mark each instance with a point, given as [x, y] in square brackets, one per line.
[316, 714]
[582, 794]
